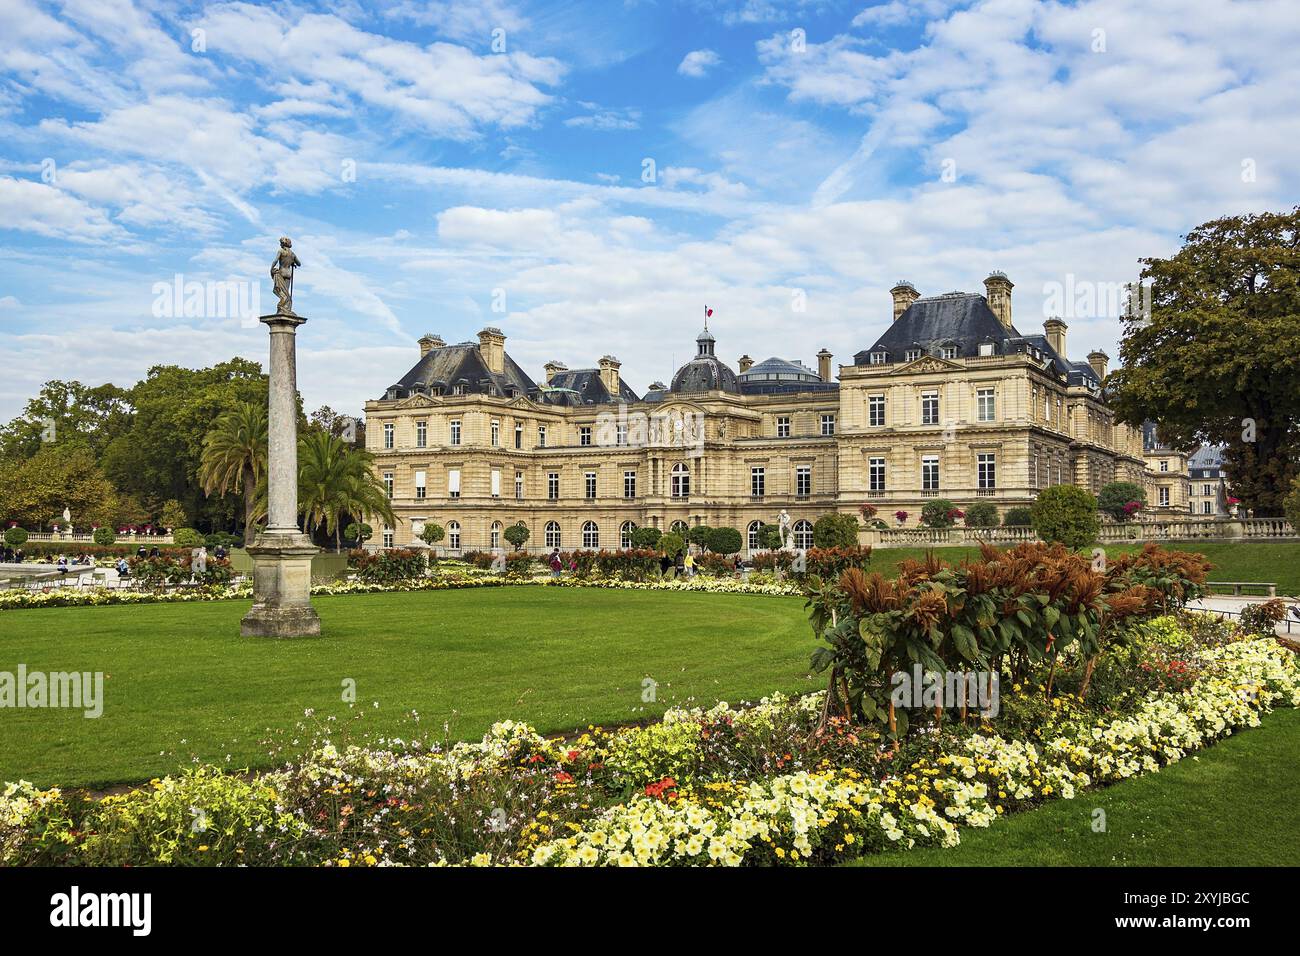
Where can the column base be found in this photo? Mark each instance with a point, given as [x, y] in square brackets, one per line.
[281, 587]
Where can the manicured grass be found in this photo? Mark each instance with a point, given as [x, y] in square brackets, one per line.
[1232, 804]
[1233, 561]
[181, 683]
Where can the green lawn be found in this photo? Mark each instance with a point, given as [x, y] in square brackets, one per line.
[1240, 561]
[1233, 804]
[181, 683]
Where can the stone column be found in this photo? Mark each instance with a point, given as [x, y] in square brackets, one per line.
[282, 553]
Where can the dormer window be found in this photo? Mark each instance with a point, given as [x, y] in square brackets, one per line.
[987, 348]
[949, 351]
[879, 358]
[911, 355]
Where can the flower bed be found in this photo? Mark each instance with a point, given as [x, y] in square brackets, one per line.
[768, 784]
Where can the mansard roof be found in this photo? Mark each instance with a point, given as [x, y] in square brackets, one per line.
[443, 368]
[583, 386]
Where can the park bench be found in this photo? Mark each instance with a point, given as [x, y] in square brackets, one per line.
[1268, 587]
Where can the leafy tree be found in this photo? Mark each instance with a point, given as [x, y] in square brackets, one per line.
[517, 534]
[724, 541]
[1117, 495]
[835, 530]
[187, 538]
[173, 515]
[939, 513]
[769, 537]
[67, 412]
[671, 543]
[432, 533]
[234, 456]
[1018, 517]
[1216, 362]
[358, 532]
[60, 475]
[1066, 513]
[16, 537]
[334, 480]
[982, 514]
[699, 535]
[647, 537]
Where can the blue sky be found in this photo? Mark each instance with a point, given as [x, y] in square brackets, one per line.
[446, 166]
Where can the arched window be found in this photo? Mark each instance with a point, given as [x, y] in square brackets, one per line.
[681, 481]
[803, 537]
[754, 528]
[678, 527]
[590, 535]
[625, 535]
[552, 534]
[453, 535]
[495, 535]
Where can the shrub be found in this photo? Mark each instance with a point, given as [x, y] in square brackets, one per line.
[769, 536]
[940, 513]
[1018, 518]
[432, 533]
[827, 563]
[1290, 504]
[671, 543]
[175, 567]
[835, 530]
[646, 538]
[982, 514]
[223, 539]
[724, 541]
[1259, 620]
[16, 537]
[1067, 514]
[516, 534]
[104, 537]
[389, 566]
[519, 564]
[187, 538]
[699, 535]
[358, 532]
[1116, 499]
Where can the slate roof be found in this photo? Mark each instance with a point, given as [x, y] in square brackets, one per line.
[705, 373]
[1206, 462]
[451, 365]
[778, 375]
[583, 386]
[964, 320]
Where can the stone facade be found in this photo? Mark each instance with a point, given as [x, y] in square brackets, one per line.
[951, 402]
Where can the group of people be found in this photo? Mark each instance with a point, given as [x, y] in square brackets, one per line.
[683, 563]
[10, 555]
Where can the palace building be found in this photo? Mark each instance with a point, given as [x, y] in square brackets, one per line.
[951, 401]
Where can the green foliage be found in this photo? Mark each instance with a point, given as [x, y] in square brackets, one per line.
[432, 533]
[1018, 517]
[1066, 513]
[699, 535]
[1217, 355]
[334, 480]
[187, 538]
[827, 563]
[769, 537]
[983, 514]
[939, 513]
[1260, 619]
[104, 537]
[1116, 495]
[1291, 504]
[724, 541]
[59, 475]
[671, 543]
[173, 515]
[16, 537]
[358, 532]
[389, 566]
[646, 537]
[835, 530]
[517, 534]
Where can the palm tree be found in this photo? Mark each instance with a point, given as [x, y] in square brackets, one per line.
[234, 456]
[335, 480]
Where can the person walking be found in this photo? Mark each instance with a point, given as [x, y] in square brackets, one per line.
[557, 565]
[689, 562]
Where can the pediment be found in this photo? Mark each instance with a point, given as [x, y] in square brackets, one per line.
[927, 364]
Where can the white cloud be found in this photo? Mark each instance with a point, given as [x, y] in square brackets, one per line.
[48, 211]
[697, 63]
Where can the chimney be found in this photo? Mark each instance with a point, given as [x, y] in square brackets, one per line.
[1099, 361]
[1055, 330]
[553, 369]
[609, 375]
[997, 290]
[429, 342]
[824, 365]
[744, 363]
[904, 295]
[492, 347]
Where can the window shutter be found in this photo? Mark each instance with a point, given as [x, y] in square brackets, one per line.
[496, 483]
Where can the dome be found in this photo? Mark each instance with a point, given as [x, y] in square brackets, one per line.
[779, 370]
[705, 373]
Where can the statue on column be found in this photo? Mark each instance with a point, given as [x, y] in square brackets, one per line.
[282, 276]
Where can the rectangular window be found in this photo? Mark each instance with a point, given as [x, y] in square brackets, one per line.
[589, 481]
[875, 474]
[629, 484]
[541, 436]
[803, 481]
[420, 482]
[876, 411]
[496, 433]
[949, 351]
[828, 424]
[987, 471]
[757, 482]
[519, 486]
[1164, 497]
[984, 404]
[783, 427]
[421, 434]
[929, 408]
[1164, 465]
[553, 485]
[388, 483]
[621, 434]
[388, 537]
[879, 358]
[388, 434]
[453, 483]
[930, 473]
[1207, 508]
[455, 431]
[584, 435]
[519, 435]
[496, 483]
[911, 355]
[986, 348]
